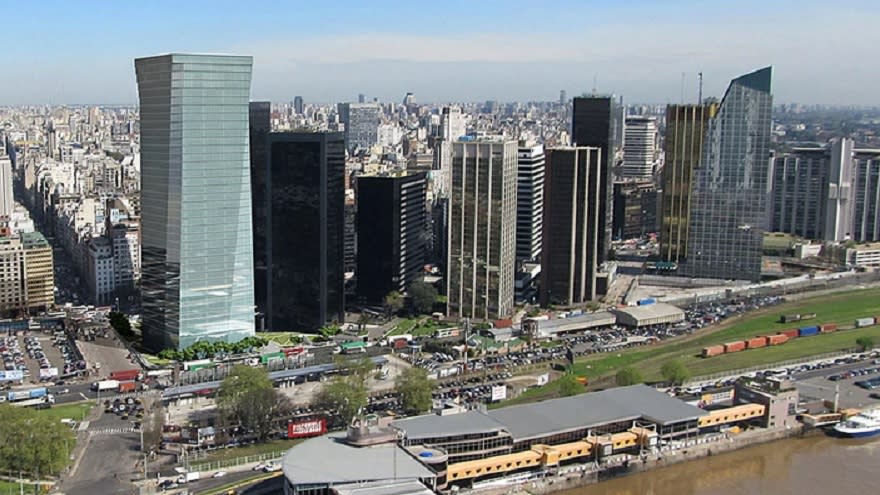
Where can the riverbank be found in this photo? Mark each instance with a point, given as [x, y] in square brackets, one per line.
[581, 475]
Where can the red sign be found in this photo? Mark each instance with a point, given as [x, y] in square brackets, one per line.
[311, 428]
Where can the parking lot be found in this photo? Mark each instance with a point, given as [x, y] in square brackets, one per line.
[41, 356]
[822, 387]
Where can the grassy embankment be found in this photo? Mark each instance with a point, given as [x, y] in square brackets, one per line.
[255, 449]
[841, 308]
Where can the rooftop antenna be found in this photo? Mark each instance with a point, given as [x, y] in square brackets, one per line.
[700, 94]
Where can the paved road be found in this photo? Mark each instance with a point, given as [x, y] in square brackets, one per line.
[107, 467]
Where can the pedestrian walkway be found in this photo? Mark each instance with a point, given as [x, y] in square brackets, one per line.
[113, 431]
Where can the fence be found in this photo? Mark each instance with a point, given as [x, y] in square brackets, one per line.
[236, 461]
[769, 366]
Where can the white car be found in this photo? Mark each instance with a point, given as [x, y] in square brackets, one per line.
[259, 467]
[219, 474]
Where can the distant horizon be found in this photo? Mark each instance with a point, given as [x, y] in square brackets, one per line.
[504, 50]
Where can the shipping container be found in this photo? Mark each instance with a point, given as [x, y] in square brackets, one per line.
[791, 334]
[864, 322]
[777, 339]
[808, 316]
[734, 346]
[756, 342]
[828, 328]
[37, 392]
[125, 375]
[647, 301]
[265, 358]
[713, 350]
[789, 318]
[808, 331]
[127, 387]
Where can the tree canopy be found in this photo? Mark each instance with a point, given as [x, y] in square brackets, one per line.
[674, 372]
[246, 397]
[628, 376]
[345, 394]
[415, 389]
[393, 303]
[568, 386]
[866, 342]
[33, 443]
[202, 350]
[423, 296]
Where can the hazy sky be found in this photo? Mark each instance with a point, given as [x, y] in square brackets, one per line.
[58, 51]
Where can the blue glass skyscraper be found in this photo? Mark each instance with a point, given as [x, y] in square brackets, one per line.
[197, 276]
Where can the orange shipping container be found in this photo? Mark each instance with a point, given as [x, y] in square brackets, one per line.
[734, 346]
[756, 342]
[713, 350]
[792, 334]
[777, 339]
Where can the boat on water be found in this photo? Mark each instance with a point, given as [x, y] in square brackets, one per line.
[863, 424]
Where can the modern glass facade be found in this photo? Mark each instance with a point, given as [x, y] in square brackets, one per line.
[866, 186]
[729, 213]
[482, 229]
[305, 230]
[361, 124]
[197, 278]
[259, 125]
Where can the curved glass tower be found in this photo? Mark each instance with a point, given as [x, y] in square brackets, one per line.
[197, 279]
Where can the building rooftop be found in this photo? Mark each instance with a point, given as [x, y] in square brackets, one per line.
[328, 459]
[593, 409]
[33, 239]
[870, 246]
[650, 311]
[382, 488]
[588, 320]
[433, 426]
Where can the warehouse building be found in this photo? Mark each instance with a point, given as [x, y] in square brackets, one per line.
[551, 329]
[652, 314]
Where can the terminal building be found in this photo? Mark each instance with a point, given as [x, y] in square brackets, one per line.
[442, 451]
[652, 314]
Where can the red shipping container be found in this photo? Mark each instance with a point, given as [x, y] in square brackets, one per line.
[828, 328]
[792, 334]
[125, 375]
[777, 339]
[756, 342]
[734, 346]
[127, 387]
[713, 350]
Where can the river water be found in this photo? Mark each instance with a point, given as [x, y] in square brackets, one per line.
[798, 466]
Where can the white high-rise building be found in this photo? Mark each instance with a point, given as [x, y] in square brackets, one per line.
[6, 201]
[640, 147]
[529, 202]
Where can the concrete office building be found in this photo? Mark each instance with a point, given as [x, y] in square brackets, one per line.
[866, 191]
[596, 124]
[570, 253]
[361, 124]
[482, 229]
[635, 209]
[298, 105]
[729, 213]
[305, 230]
[197, 279]
[7, 203]
[27, 279]
[812, 192]
[640, 147]
[685, 134]
[391, 228]
[259, 126]
[529, 202]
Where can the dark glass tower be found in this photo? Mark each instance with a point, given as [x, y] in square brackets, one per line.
[729, 198]
[304, 225]
[259, 126]
[391, 233]
[595, 124]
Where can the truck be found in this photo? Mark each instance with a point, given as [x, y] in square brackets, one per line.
[105, 385]
[187, 477]
[125, 375]
[129, 386]
[19, 395]
[39, 402]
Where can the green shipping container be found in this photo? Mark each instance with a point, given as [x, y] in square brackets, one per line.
[265, 358]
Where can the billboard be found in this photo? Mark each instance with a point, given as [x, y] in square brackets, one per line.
[48, 373]
[499, 392]
[310, 428]
[11, 376]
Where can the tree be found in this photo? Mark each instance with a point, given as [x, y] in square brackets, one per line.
[415, 389]
[393, 303]
[423, 296]
[628, 376]
[569, 385]
[328, 331]
[674, 372]
[32, 442]
[246, 397]
[865, 343]
[121, 324]
[343, 397]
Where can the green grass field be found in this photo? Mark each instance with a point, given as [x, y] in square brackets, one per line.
[841, 308]
[75, 412]
[255, 449]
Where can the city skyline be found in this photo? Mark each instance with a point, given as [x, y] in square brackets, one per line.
[640, 50]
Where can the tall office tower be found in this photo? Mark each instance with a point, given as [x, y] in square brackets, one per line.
[866, 215]
[349, 251]
[563, 97]
[685, 133]
[259, 124]
[361, 124]
[730, 186]
[572, 217]
[640, 147]
[811, 192]
[362, 98]
[482, 229]
[7, 202]
[636, 204]
[595, 124]
[298, 105]
[391, 233]
[529, 202]
[197, 280]
[452, 124]
[305, 226]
